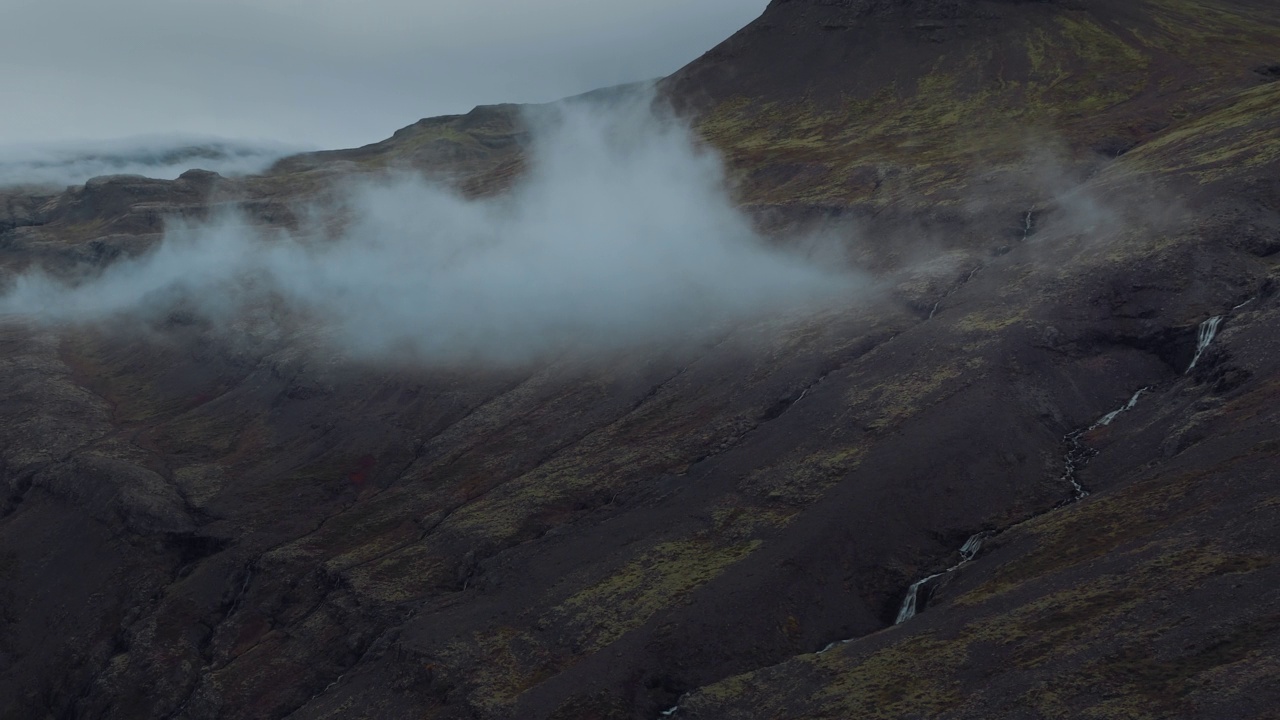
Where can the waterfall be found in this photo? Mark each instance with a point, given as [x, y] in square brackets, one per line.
[674, 708]
[1208, 331]
[948, 293]
[1028, 225]
[1133, 402]
[1078, 454]
[911, 603]
[971, 546]
[828, 646]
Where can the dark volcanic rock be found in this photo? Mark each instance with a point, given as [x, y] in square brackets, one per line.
[22, 208]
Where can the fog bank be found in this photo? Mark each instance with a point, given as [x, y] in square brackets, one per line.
[622, 235]
[164, 157]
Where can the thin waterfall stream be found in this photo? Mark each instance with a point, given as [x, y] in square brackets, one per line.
[1076, 456]
[1208, 331]
[911, 604]
[947, 294]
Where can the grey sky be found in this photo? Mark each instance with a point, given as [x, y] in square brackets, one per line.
[331, 73]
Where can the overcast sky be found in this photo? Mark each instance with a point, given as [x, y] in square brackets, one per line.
[323, 73]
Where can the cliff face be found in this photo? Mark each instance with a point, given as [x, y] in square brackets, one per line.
[197, 529]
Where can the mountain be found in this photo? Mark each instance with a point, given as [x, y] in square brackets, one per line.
[1070, 208]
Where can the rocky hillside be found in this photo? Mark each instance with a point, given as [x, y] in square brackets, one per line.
[1070, 209]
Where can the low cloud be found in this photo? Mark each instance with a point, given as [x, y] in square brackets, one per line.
[62, 164]
[621, 235]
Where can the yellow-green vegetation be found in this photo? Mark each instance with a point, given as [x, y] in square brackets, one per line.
[404, 575]
[1074, 77]
[1207, 28]
[1093, 595]
[918, 673]
[820, 155]
[553, 489]
[734, 518]
[506, 662]
[1113, 520]
[438, 133]
[908, 393]
[803, 480]
[894, 683]
[1090, 617]
[469, 144]
[364, 533]
[1150, 685]
[1071, 60]
[474, 135]
[655, 581]
[227, 437]
[1241, 133]
[77, 232]
[637, 445]
[991, 321]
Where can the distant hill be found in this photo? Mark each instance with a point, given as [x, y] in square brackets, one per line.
[155, 157]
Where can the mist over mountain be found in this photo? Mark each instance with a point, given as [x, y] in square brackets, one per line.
[164, 157]
[620, 235]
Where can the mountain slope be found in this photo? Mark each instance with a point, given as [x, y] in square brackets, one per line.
[234, 530]
[904, 102]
